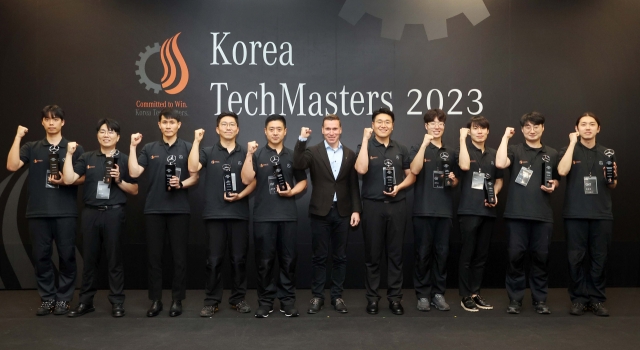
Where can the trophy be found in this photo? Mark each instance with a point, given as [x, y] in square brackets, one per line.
[228, 181]
[546, 171]
[389, 175]
[170, 171]
[446, 167]
[608, 166]
[54, 161]
[489, 191]
[109, 163]
[277, 172]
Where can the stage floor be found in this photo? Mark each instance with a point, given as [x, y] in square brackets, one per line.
[455, 329]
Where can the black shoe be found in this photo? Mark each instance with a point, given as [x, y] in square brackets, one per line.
[577, 309]
[541, 307]
[263, 311]
[117, 310]
[46, 307]
[468, 304]
[81, 310]
[340, 306]
[481, 303]
[372, 307]
[315, 305]
[289, 310]
[155, 308]
[62, 308]
[598, 309]
[242, 307]
[209, 310]
[396, 308]
[176, 308]
[514, 307]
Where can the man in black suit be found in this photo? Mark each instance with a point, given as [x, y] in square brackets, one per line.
[335, 204]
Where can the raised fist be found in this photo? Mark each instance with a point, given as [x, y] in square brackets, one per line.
[136, 139]
[71, 147]
[305, 132]
[509, 132]
[573, 137]
[21, 131]
[367, 133]
[464, 132]
[198, 135]
[427, 139]
[252, 146]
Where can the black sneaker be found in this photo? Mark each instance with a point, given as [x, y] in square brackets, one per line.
[514, 307]
[468, 304]
[263, 311]
[46, 307]
[541, 307]
[315, 305]
[598, 309]
[481, 303]
[209, 310]
[242, 307]
[62, 308]
[289, 310]
[577, 309]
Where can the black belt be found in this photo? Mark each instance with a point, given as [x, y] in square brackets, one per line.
[103, 207]
[380, 200]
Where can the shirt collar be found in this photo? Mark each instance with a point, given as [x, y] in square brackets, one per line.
[63, 142]
[376, 143]
[527, 147]
[284, 149]
[326, 146]
[175, 143]
[222, 148]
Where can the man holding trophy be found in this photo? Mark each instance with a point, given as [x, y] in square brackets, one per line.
[106, 186]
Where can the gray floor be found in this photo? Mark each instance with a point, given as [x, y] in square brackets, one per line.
[455, 329]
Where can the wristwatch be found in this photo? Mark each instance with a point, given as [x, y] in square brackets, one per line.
[181, 184]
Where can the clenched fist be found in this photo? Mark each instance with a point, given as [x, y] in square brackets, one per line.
[252, 146]
[198, 135]
[509, 132]
[71, 147]
[21, 131]
[136, 139]
[305, 132]
[464, 132]
[427, 139]
[367, 133]
[573, 137]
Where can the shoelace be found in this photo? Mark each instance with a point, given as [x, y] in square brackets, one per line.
[340, 301]
[209, 308]
[316, 301]
[241, 304]
[47, 304]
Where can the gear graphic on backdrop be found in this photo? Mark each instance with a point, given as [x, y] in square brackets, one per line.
[433, 14]
[142, 73]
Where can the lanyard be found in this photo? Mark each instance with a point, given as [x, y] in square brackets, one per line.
[584, 153]
[472, 154]
[530, 162]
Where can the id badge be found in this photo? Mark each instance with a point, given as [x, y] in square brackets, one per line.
[524, 176]
[273, 182]
[590, 185]
[477, 181]
[103, 190]
[438, 179]
[48, 184]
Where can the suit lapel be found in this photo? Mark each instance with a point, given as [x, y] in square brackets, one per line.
[323, 155]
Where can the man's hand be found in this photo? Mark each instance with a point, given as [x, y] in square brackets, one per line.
[136, 139]
[174, 183]
[392, 193]
[487, 204]
[355, 219]
[252, 146]
[573, 137]
[56, 181]
[198, 135]
[286, 193]
[115, 173]
[305, 132]
[367, 134]
[549, 189]
[21, 131]
[71, 147]
[231, 197]
[509, 132]
[427, 139]
[464, 132]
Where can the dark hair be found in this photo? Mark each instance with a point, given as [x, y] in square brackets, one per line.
[331, 117]
[273, 118]
[383, 110]
[434, 113]
[227, 114]
[588, 114]
[534, 118]
[169, 113]
[111, 125]
[54, 110]
[479, 121]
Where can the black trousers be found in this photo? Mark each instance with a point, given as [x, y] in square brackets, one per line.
[44, 231]
[594, 236]
[176, 227]
[223, 235]
[476, 234]
[271, 239]
[535, 237]
[383, 225]
[102, 228]
[431, 242]
[331, 230]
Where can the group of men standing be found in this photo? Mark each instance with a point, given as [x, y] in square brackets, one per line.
[276, 174]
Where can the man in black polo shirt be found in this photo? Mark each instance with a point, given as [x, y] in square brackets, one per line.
[51, 210]
[226, 212]
[476, 214]
[167, 207]
[529, 216]
[588, 217]
[384, 212]
[275, 215]
[432, 211]
[103, 216]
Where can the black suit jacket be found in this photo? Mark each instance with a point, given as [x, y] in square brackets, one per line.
[324, 185]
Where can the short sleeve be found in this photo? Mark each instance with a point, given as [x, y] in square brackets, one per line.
[406, 163]
[203, 158]
[511, 151]
[25, 153]
[413, 152]
[299, 175]
[143, 158]
[80, 165]
[124, 171]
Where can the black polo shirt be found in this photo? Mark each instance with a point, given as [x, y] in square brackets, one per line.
[530, 202]
[430, 201]
[44, 202]
[153, 158]
[373, 180]
[269, 206]
[471, 200]
[215, 207]
[577, 204]
[91, 164]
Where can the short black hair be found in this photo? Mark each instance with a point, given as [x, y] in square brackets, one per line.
[383, 110]
[535, 118]
[434, 113]
[54, 110]
[479, 121]
[227, 114]
[331, 117]
[273, 118]
[588, 114]
[111, 125]
[169, 113]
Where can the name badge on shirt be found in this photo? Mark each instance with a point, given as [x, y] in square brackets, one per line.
[48, 184]
[524, 176]
[477, 181]
[273, 182]
[103, 190]
[438, 179]
[590, 185]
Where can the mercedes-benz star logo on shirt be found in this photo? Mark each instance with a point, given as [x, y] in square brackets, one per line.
[274, 159]
[546, 158]
[444, 155]
[171, 159]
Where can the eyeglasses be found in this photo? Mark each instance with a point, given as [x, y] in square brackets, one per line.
[434, 124]
[231, 125]
[532, 127]
[385, 122]
[106, 132]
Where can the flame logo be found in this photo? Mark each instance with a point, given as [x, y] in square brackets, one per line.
[173, 63]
